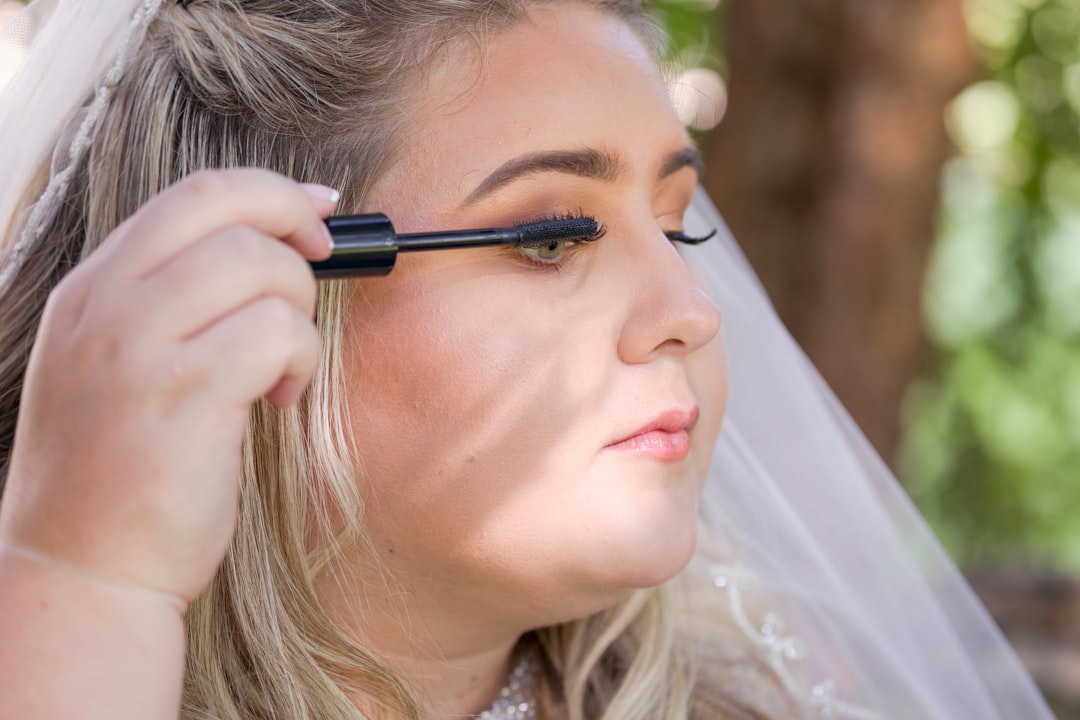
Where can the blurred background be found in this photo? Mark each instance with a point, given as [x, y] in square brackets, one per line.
[905, 177]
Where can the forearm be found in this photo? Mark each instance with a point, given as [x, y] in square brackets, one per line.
[75, 647]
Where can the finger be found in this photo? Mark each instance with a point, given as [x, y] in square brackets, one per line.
[325, 198]
[251, 352]
[207, 201]
[221, 273]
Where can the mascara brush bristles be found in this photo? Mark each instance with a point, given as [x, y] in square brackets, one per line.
[545, 232]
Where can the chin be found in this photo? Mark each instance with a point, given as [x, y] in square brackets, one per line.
[662, 559]
[643, 565]
[647, 549]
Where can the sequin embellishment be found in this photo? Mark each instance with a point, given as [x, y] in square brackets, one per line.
[517, 699]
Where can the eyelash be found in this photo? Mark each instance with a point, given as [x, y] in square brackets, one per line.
[681, 237]
[555, 263]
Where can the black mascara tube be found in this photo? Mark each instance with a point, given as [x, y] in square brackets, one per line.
[364, 245]
[367, 245]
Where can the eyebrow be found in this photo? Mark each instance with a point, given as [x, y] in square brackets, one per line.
[587, 163]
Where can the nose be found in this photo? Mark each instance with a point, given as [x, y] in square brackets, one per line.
[671, 313]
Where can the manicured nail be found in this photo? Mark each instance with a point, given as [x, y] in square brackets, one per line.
[322, 192]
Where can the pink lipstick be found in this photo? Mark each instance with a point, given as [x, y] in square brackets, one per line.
[667, 438]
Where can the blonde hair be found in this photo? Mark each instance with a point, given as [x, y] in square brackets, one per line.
[314, 92]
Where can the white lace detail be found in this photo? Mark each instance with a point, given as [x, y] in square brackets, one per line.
[80, 143]
[782, 651]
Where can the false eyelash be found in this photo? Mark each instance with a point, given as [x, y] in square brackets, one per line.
[681, 237]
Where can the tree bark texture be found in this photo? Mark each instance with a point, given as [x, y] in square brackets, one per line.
[827, 168]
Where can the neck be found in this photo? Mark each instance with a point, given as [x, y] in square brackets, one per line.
[455, 686]
[453, 664]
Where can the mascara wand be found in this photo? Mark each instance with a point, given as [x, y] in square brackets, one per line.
[366, 245]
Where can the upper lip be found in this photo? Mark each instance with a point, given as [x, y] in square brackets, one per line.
[671, 421]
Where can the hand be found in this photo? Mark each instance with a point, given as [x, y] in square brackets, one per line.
[148, 358]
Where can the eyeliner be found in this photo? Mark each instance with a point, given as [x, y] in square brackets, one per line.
[366, 245]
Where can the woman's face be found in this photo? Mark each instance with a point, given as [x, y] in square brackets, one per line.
[490, 388]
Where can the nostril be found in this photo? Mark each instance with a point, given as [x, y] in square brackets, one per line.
[673, 346]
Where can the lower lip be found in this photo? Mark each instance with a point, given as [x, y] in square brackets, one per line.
[657, 444]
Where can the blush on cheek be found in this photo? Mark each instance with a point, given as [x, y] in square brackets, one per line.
[456, 393]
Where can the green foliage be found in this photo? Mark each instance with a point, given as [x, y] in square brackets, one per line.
[690, 24]
[695, 29]
[992, 453]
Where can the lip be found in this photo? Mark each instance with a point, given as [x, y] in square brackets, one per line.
[666, 438]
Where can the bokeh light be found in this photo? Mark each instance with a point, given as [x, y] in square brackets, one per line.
[984, 117]
[700, 98]
[997, 25]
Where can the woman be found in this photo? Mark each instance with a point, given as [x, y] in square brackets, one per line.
[474, 481]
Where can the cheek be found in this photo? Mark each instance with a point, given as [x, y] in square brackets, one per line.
[480, 404]
[459, 393]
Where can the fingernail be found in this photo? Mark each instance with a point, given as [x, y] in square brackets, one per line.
[322, 192]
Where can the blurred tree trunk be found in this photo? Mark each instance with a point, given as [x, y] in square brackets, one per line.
[827, 168]
[1040, 615]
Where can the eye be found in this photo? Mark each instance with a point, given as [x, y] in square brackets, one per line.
[551, 252]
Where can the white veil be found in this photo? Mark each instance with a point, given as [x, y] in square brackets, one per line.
[868, 616]
[825, 537]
